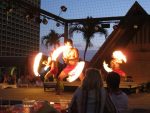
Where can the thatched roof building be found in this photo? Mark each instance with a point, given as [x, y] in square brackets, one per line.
[132, 36]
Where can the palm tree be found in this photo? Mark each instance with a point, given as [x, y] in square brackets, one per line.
[52, 39]
[88, 28]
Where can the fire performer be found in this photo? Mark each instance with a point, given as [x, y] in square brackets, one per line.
[115, 65]
[53, 65]
[117, 58]
[73, 69]
[71, 58]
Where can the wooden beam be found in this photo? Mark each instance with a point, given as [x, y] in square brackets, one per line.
[55, 17]
[99, 19]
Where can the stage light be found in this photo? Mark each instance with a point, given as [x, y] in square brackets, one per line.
[57, 24]
[45, 21]
[63, 8]
[97, 28]
[115, 27]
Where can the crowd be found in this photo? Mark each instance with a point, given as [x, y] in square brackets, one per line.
[91, 96]
[22, 80]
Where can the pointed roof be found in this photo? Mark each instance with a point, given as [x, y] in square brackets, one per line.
[122, 35]
[136, 9]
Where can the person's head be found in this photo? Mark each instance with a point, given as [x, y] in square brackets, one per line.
[69, 42]
[113, 80]
[114, 64]
[92, 82]
[92, 79]
[43, 107]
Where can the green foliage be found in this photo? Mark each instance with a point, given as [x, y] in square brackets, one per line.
[88, 28]
[51, 39]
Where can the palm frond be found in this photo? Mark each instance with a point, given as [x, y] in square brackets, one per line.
[76, 28]
[51, 39]
[88, 28]
[102, 31]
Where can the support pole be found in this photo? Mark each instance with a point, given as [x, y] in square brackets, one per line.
[66, 31]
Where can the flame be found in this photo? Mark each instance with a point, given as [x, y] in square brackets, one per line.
[58, 51]
[46, 67]
[55, 55]
[75, 73]
[119, 56]
[36, 63]
[108, 69]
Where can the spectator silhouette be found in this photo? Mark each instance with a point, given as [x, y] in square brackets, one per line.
[91, 97]
[118, 97]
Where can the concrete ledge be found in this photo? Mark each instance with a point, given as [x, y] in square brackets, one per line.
[3, 86]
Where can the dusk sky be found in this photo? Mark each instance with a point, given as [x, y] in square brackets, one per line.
[81, 9]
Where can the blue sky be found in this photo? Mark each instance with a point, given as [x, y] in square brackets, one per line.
[94, 8]
[81, 9]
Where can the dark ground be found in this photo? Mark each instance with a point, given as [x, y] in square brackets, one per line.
[139, 101]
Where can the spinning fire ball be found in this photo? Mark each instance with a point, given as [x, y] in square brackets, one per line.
[118, 58]
[40, 68]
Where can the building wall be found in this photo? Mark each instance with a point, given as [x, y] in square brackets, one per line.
[138, 66]
[138, 55]
[19, 37]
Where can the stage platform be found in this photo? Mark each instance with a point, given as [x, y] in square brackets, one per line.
[123, 85]
[131, 86]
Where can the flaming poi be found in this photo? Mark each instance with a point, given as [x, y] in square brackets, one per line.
[108, 69]
[119, 56]
[36, 64]
[75, 73]
[58, 51]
